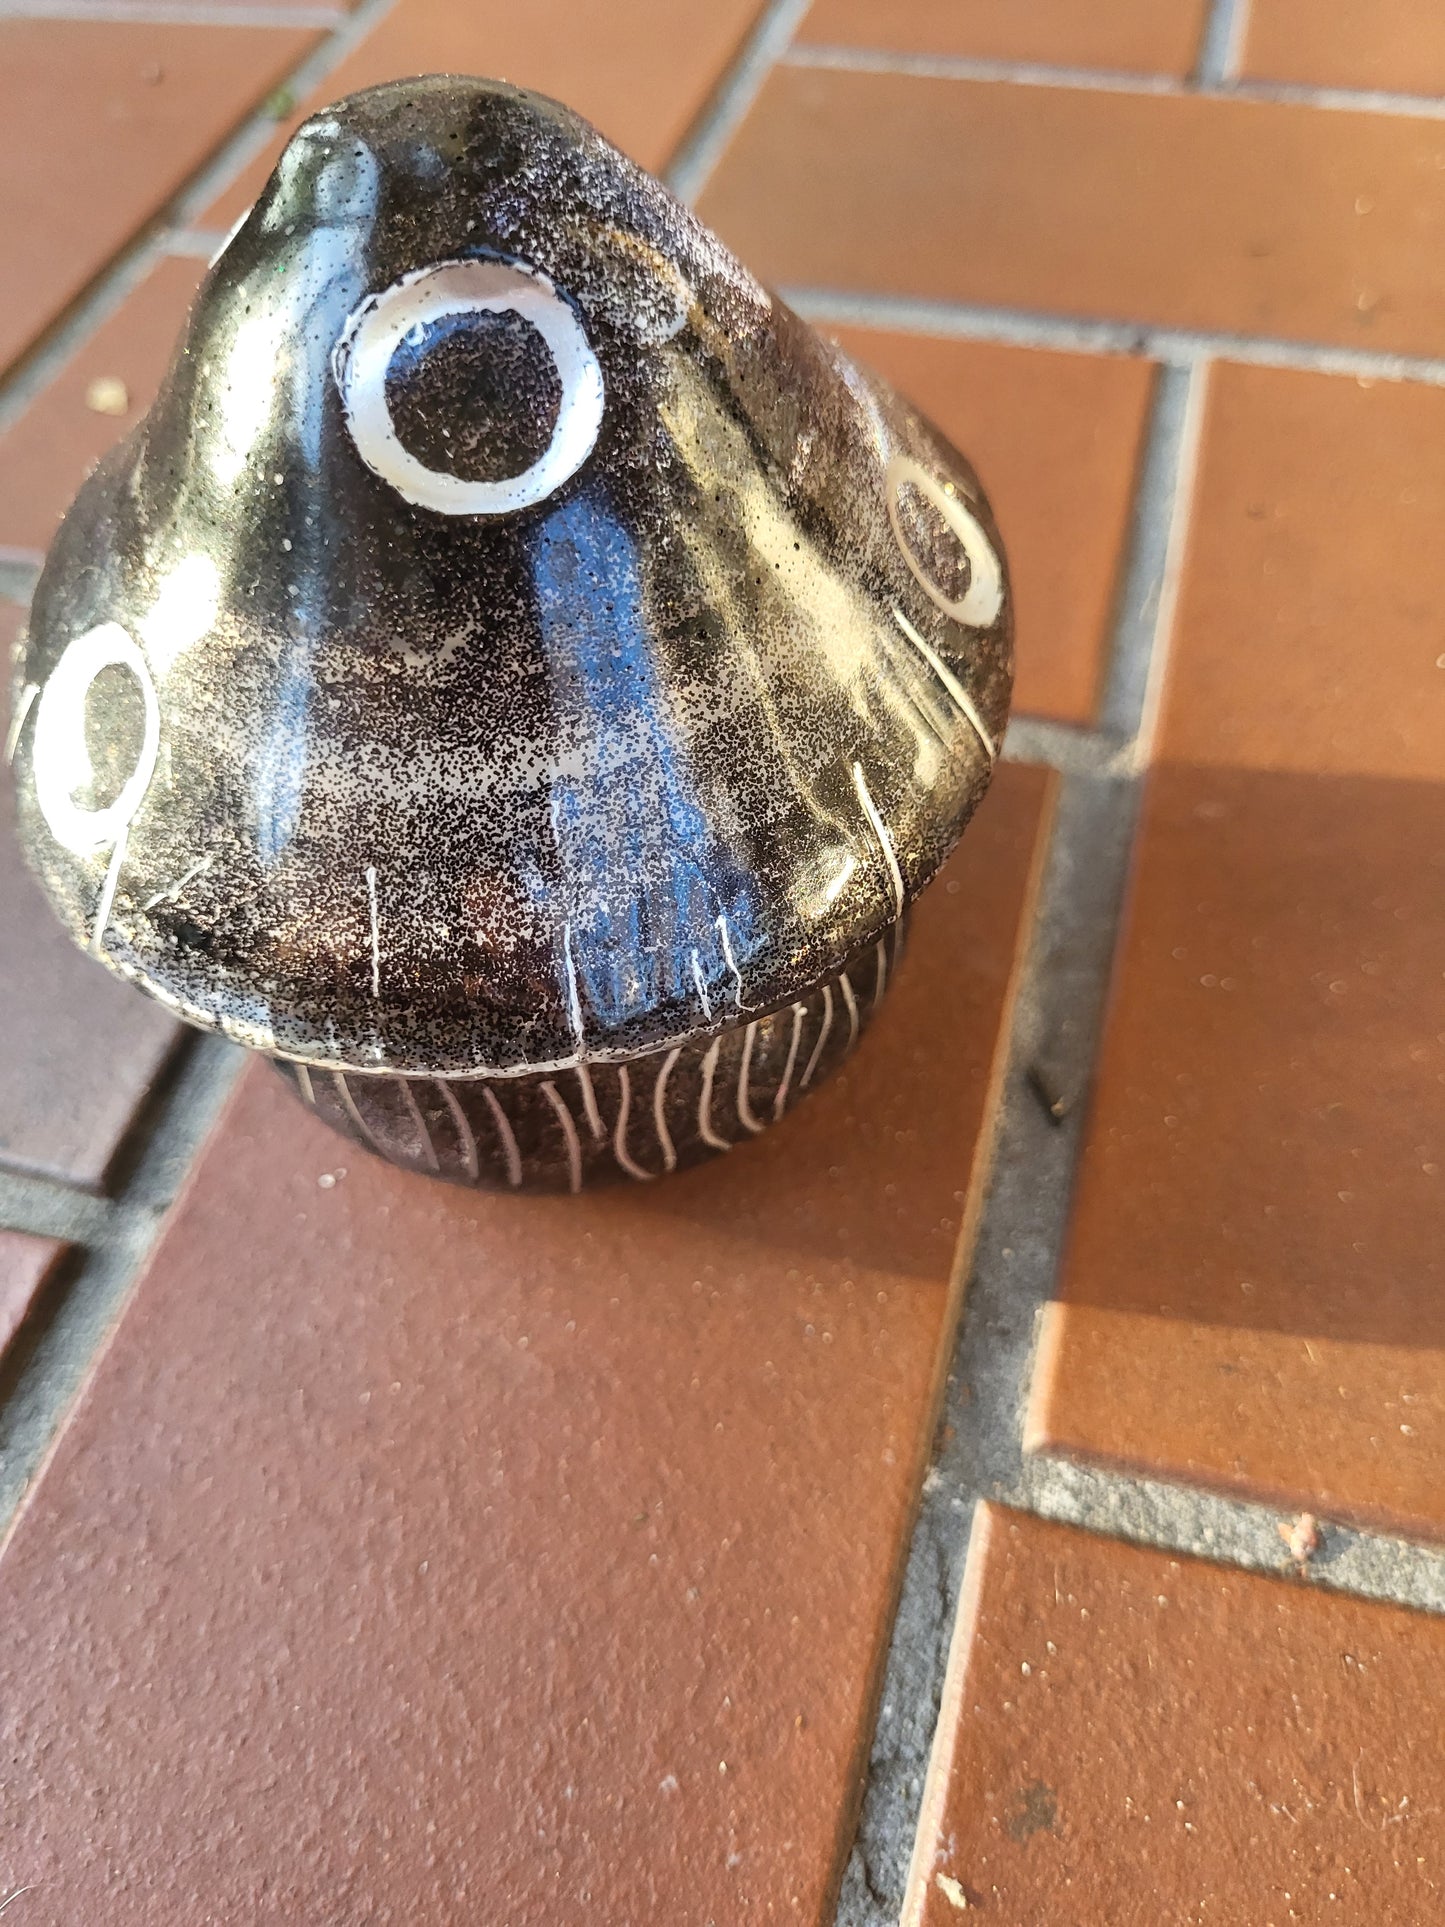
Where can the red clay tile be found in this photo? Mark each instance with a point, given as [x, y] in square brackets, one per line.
[1310, 634]
[81, 1049]
[1179, 210]
[1397, 45]
[100, 124]
[1253, 1294]
[1127, 1737]
[1254, 1297]
[1057, 440]
[47, 453]
[226, 9]
[1132, 36]
[26, 1265]
[640, 70]
[415, 1555]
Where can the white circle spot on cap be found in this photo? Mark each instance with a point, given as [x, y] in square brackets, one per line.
[59, 758]
[981, 601]
[379, 325]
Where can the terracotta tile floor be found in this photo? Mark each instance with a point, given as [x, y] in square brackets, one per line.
[1119, 1723]
[1397, 46]
[1142, 36]
[1241, 217]
[416, 1557]
[641, 70]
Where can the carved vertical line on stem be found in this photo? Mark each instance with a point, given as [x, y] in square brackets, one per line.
[781, 1099]
[569, 1132]
[619, 1136]
[506, 1135]
[745, 1104]
[704, 1103]
[466, 1137]
[659, 1109]
[817, 1051]
[429, 1150]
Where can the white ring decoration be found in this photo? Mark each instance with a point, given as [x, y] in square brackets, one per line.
[59, 758]
[981, 601]
[377, 328]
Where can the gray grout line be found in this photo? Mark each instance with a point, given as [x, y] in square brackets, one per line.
[119, 1235]
[176, 234]
[43, 363]
[1137, 676]
[731, 100]
[1060, 1006]
[1222, 43]
[1216, 75]
[1026, 328]
[1014, 1262]
[1235, 1532]
[43, 1373]
[18, 576]
[909, 314]
[1163, 1518]
[1025, 1221]
[195, 243]
[49, 1209]
[1015, 73]
[1065, 747]
[1333, 100]
[173, 13]
[1163, 496]
[969, 321]
[1020, 1236]
[1205, 86]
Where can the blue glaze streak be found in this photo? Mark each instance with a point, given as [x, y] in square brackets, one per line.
[281, 756]
[663, 873]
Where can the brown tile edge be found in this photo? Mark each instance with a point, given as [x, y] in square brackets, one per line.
[950, 1714]
[971, 1217]
[47, 1281]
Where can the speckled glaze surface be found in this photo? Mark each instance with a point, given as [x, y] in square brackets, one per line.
[515, 658]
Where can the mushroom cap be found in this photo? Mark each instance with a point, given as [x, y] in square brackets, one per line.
[512, 635]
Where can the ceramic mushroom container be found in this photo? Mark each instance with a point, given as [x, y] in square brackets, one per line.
[518, 675]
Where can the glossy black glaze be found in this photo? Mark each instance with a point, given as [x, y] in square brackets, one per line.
[470, 795]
